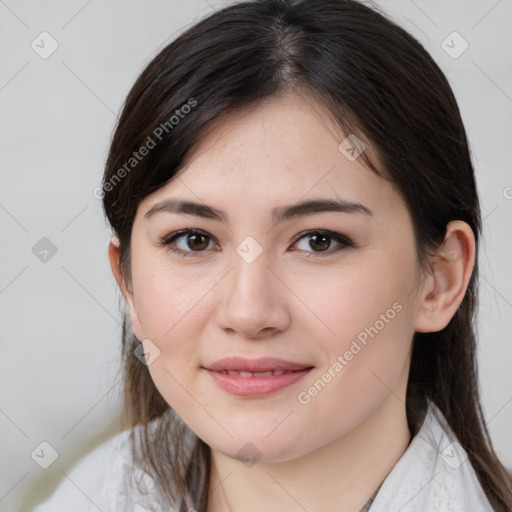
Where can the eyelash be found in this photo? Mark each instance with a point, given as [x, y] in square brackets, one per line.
[344, 241]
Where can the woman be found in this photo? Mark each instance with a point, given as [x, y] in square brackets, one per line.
[296, 231]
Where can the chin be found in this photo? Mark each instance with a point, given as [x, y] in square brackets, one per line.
[258, 447]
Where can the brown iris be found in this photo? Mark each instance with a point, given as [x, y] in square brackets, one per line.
[197, 242]
[323, 244]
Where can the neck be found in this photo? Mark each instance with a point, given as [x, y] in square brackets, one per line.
[346, 472]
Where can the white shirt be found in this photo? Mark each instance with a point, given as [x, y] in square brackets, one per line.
[433, 475]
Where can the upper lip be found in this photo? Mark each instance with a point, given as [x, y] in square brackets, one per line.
[262, 364]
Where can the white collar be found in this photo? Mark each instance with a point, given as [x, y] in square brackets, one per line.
[434, 474]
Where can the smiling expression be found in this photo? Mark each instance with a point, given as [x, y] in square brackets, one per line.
[272, 244]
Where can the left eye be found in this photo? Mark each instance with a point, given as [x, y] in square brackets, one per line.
[320, 241]
[191, 242]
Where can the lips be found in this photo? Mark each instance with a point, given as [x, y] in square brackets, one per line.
[256, 377]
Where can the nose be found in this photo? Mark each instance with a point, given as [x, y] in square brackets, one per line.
[254, 302]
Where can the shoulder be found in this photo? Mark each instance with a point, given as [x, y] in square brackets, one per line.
[102, 480]
[433, 475]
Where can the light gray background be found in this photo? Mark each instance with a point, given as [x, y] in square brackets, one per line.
[60, 333]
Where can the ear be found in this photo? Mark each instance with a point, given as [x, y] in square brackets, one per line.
[446, 286]
[114, 256]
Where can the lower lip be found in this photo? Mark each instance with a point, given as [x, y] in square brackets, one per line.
[256, 386]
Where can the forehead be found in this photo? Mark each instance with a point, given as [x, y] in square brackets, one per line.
[284, 150]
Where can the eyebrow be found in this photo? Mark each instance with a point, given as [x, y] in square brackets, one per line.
[279, 214]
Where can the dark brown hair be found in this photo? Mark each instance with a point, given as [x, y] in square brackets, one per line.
[380, 84]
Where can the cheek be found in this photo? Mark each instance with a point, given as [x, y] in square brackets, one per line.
[363, 301]
[370, 322]
[363, 370]
[171, 311]
[169, 300]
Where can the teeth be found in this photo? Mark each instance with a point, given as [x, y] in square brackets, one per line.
[268, 373]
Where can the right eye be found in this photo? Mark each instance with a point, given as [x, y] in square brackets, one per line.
[187, 242]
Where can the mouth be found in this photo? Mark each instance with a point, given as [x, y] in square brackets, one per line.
[256, 377]
[241, 373]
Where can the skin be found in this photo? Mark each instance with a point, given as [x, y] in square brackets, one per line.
[289, 303]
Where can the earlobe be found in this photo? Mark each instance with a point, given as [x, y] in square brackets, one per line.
[451, 271]
[114, 256]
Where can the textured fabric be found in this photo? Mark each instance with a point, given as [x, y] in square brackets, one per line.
[433, 475]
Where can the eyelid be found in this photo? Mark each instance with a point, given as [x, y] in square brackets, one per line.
[169, 239]
[342, 240]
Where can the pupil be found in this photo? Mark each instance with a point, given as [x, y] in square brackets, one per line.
[324, 244]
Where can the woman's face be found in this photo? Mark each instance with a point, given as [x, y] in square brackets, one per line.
[330, 292]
